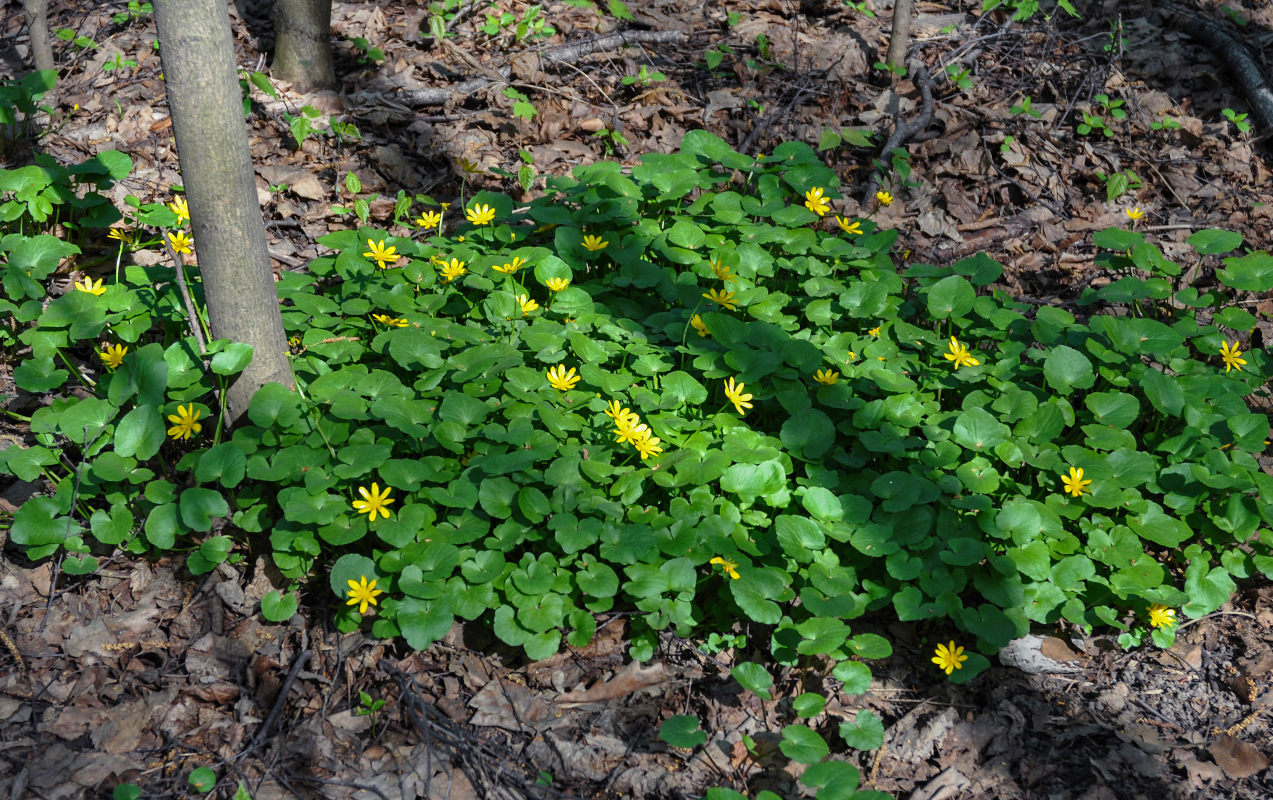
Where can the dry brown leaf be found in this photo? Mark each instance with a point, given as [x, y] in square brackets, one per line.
[632, 678]
[1237, 758]
[503, 704]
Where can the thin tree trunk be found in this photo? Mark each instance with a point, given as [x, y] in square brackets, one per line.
[37, 19]
[303, 44]
[900, 38]
[197, 53]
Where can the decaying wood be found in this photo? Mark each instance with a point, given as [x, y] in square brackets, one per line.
[1236, 56]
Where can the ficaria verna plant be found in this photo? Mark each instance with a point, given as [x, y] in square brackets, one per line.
[697, 399]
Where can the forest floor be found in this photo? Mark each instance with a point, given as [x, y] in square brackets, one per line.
[141, 672]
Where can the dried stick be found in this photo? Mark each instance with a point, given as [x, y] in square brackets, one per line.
[279, 702]
[179, 269]
[566, 52]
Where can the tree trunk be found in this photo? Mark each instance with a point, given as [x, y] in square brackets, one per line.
[900, 38]
[303, 44]
[37, 19]
[197, 54]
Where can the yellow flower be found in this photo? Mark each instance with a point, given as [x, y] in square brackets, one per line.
[363, 593]
[630, 429]
[557, 284]
[1074, 484]
[429, 219]
[527, 304]
[380, 254]
[885, 198]
[722, 271]
[815, 202]
[562, 379]
[480, 214]
[1229, 352]
[646, 443]
[594, 243]
[469, 167]
[121, 235]
[180, 242]
[949, 658]
[725, 299]
[854, 227]
[179, 207]
[734, 391]
[185, 422]
[874, 331]
[113, 355]
[696, 322]
[392, 322]
[852, 355]
[90, 286]
[1135, 213]
[452, 270]
[730, 568]
[960, 355]
[373, 502]
[616, 412]
[1161, 617]
[826, 377]
[510, 268]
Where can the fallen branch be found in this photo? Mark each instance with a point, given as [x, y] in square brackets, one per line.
[1235, 55]
[905, 129]
[279, 702]
[418, 98]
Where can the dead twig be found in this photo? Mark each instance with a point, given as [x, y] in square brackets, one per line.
[179, 267]
[568, 53]
[279, 702]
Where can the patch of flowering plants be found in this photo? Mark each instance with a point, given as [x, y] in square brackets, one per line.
[683, 390]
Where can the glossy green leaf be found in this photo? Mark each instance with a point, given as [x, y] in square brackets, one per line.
[682, 731]
[803, 744]
[863, 732]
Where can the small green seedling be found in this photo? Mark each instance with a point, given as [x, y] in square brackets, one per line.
[367, 53]
[860, 7]
[118, 63]
[959, 76]
[1119, 183]
[645, 77]
[1238, 120]
[367, 707]
[611, 140]
[80, 41]
[1025, 107]
[136, 11]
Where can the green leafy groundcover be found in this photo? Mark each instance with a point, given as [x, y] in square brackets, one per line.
[921, 470]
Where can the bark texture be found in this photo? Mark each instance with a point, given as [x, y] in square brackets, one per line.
[36, 14]
[303, 44]
[196, 48]
[900, 38]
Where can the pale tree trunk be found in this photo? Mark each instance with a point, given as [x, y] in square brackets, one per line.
[36, 13]
[197, 54]
[900, 38]
[303, 44]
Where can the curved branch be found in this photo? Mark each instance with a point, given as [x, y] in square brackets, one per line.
[905, 129]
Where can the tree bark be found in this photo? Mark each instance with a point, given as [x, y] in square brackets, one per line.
[303, 44]
[36, 13]
[197, 54]
[900, 38]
